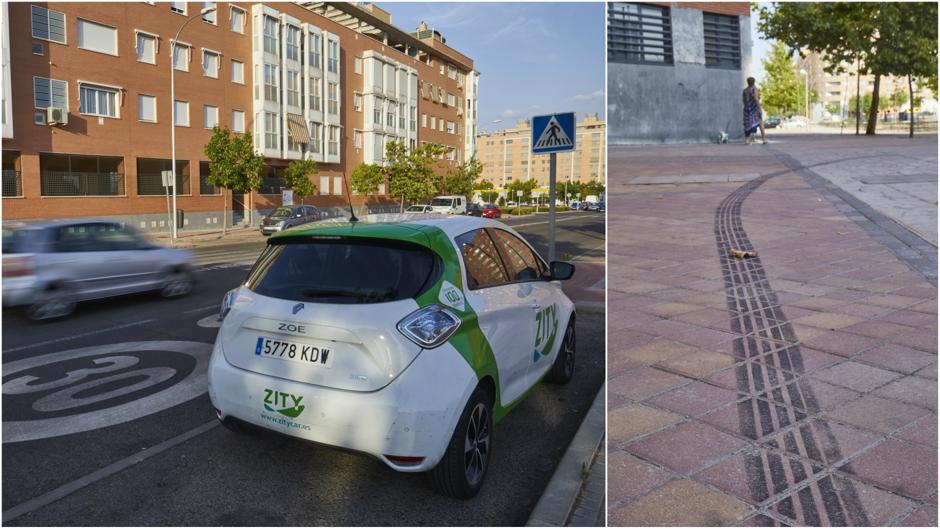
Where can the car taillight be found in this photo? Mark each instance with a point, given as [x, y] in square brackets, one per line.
[18, 266]
[430, 326]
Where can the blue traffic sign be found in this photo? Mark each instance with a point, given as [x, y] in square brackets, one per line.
[553, 133]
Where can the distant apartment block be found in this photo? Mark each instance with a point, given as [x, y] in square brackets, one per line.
[89, 133]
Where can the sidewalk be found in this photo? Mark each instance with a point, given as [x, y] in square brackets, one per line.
[797, 388]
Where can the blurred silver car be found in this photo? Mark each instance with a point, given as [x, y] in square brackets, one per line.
[285, 217]
[48, 267]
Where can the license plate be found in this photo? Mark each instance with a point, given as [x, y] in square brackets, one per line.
[294, 351]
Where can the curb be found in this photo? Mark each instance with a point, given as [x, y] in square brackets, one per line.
[555, 505]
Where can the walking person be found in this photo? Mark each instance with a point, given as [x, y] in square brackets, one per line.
[753, 119]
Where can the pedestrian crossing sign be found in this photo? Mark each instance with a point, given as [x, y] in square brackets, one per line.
[553, 133]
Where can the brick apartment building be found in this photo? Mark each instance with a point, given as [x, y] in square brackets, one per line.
[331, 82]
[675, 70]
[507, 156]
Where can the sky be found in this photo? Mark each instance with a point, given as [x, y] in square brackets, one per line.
[533, 58]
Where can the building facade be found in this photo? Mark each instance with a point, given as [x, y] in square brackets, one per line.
[507, 156]
[675, 70]
[89, 134]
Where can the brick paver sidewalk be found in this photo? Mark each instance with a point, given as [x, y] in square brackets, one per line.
[797, 388]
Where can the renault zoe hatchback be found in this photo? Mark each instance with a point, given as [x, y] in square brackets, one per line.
[406, 337]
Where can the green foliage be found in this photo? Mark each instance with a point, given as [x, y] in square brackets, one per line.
[366, 179]
[579, 191]
[489, 196]
[898, 98]
[297, 177]
[485, 184]
[461, 178]
[526, 186]
[883, 101]
[833, 108]
[233, 163]
[501, 201]
[411, 174]
[782, 90]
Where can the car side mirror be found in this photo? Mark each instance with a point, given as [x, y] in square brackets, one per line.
[560, 271]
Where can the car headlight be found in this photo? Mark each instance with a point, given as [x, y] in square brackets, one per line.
[430, 326]
[227, 301]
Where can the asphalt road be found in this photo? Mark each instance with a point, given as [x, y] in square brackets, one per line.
[110, 455]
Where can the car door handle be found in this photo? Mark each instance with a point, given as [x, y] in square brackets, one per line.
[535, 306]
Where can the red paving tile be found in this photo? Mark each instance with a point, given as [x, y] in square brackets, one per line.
[905, 468]
[685, 447]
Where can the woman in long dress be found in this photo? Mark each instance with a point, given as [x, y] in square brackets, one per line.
[753, 119]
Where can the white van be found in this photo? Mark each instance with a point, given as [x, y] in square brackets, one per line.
[449, 205]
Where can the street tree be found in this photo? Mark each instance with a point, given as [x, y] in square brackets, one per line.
[526, 186]
[298, 176]
[366, 178]
[233, 165]
[411, 173]
[781, 91]
[462, 177]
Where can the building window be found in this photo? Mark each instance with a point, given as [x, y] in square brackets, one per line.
[272, 181]
[414, 118]
[357, 65]
[270, 82]
[210, 17]
[48, 24]
[270, 130]
[334, 141]
[293, 43]
[270, 35]
[238, 72]
[237, 19]
[357, 101]
[638, 33]
[178, 7]
[377, 111]
[451, 71]
[315, 97]
[72, 175]
[424, 120]
[238, 121]
[146, 108]
[390, 116]
[722, 41]
[332, 98]
[324, 187]
[97, 100]
[315, 50]
[181, 113]
[440, 125]
[337, 185]
[293, 88]
[181, 56]
[451, 128]
[451, 100]
[433, 122]
[401, 116]
[357, 139]
[210, 116]
[205, 188]
[210, 64]
[316, 133]
[50, 93]
[150, 176]
[146, 48]
[12, 174]
[97, 37]
[333, 57]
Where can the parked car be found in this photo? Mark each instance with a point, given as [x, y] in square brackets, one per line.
[474, 210]
[601, 207]
[416, 335]
[492, 211]
[575, 205]
[49, 267]
[285, 217]
[771, 122]
[511, 204]
[588, 206]
[449, 205]
[419, 208]
[793, 122]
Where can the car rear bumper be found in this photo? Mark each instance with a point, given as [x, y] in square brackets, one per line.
[19, 290]
[413, 416]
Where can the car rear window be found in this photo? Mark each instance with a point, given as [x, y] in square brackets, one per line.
[343, 270]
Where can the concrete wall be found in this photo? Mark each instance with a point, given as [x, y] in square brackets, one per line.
[680, 103]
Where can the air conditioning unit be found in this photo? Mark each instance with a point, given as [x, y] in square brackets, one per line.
[57, 116]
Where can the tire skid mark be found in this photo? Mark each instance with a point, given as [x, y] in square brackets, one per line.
[780, 400]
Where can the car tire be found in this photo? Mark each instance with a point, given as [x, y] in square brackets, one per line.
[563, 368]
[238, 427]
[462, 470]
[55, 302]
[177, 283]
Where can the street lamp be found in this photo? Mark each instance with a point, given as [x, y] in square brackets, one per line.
[505, 147]
[173, 44]
[805, 75]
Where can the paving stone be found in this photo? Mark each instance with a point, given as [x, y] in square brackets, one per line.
[669, 309]
[924, 432]
[760, 520]
[696, 363]
[897, 357]
[818, 504]
[685, 447]
[693, 399]
[877, 414]
[892, 300]
[808, 360]
[629, 476]
[814, 395]
[828, 320]
[928, 372]
[826, 442]
[856, 376]
[842, 343]
[905, 468]
[680, 503]
[914, 390]
[643, 382]
[753, 418]
[631, 421]
[925, 341]
[755, 476]
[878, 329]
[654, 352]
[714, 318]
[911, 318]
[923, 516]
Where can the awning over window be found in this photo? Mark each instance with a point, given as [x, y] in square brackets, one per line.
[297, 128]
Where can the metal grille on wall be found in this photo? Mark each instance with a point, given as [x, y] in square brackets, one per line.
[12, 183]
[72, 175]
[722, 41]
[150, 177]
[638, 34]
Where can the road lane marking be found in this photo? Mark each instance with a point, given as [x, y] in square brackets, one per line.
[77, 336]
[73, 486]
[201, 309]
[541, 222]
[594, 249]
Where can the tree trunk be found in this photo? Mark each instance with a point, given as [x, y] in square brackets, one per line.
[873, 111]
[910, 88]
[224, 209]
[858, 95]
[402, 208]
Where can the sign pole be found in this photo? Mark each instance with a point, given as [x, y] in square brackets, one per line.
[552, 165]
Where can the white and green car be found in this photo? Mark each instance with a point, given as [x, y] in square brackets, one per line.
[405, 337]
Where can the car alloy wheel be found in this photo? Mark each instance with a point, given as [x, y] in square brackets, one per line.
[462, 469]
[477, 444]
[178, 283]
[55, 302]
[563, 368]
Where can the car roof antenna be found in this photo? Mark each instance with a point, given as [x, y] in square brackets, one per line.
[352, 214]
